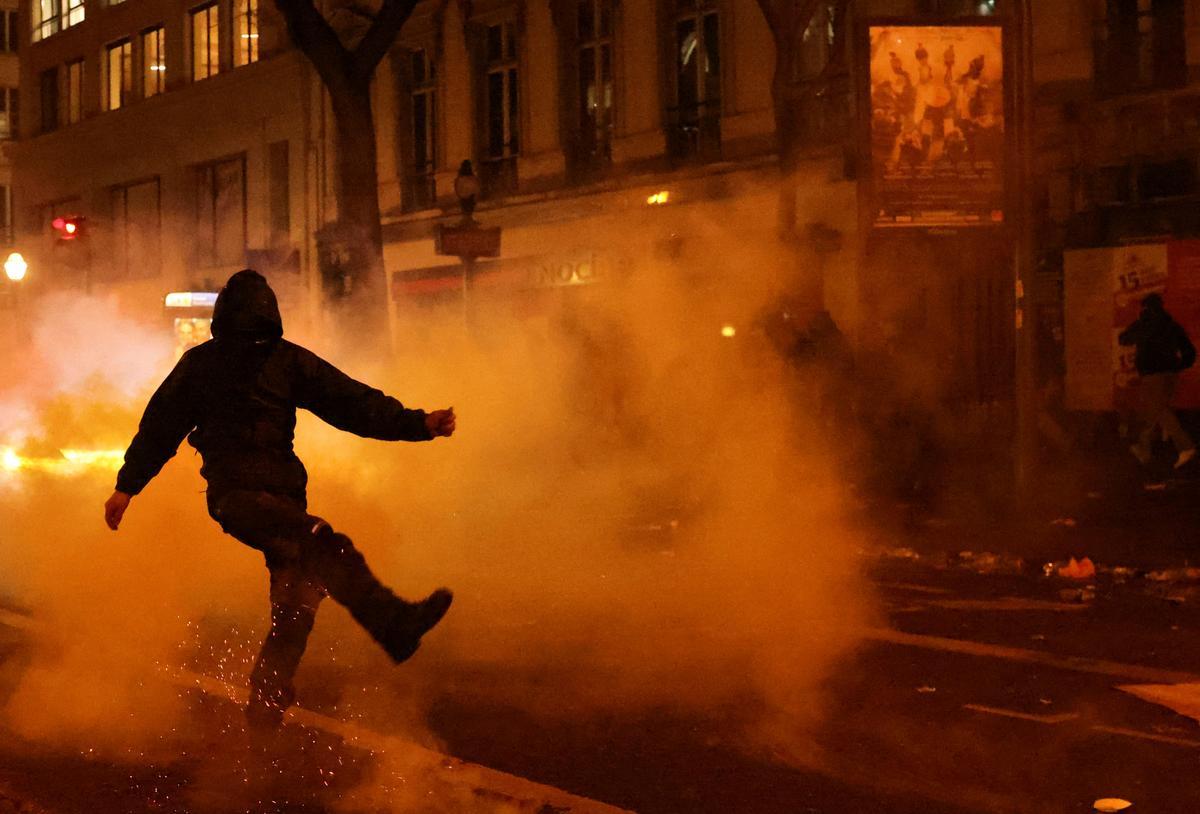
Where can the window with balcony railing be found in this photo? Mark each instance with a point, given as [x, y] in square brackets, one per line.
[594, 87]
[154, 62]
[501, 102]
[694, 120]
[421, 190]
[1139, 45]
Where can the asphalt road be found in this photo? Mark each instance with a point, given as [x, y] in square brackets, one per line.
[981, 693]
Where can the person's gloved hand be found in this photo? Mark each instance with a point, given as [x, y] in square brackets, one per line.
[440, 422]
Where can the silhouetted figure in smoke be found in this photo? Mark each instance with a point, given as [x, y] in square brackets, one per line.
[235, 398]
[1163, 349]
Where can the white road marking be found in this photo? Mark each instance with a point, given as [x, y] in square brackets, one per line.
[489, 782]
[1182, 698]
[1147, 736]
[1062, 717]
[967, 647]
[1008, 603]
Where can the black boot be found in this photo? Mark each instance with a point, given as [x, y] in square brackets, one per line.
[413, 620]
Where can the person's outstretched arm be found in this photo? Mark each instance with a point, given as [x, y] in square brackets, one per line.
[166, 422]
[352, 406]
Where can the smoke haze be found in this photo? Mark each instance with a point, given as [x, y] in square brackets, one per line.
[635, 512]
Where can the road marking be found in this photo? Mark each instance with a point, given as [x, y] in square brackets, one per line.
[489, 783]
[1147, 736]
[1062, 717]
[480, 779]
[919, 589]
[966, 647]
[1181, 698]
[1008, 603]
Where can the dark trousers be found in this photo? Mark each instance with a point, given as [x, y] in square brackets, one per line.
[307, 561]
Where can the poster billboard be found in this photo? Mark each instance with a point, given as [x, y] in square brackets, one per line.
[937, 125]
[1104, 289]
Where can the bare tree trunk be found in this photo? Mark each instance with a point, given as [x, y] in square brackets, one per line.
[346, 74]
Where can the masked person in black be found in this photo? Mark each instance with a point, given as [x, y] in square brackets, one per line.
[1162, 351]
[235, 398]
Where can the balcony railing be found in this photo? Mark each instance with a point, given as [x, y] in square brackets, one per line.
[498, 176]
[694, 131]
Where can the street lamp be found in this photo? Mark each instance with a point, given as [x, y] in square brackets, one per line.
[466, 188]
[15, 267]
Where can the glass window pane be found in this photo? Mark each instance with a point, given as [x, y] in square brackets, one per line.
[686, 66]
[587, 20]
[229, 213]
[495, 44]
[420, 131]
[513, 113]
[712, 58]
[495, 97]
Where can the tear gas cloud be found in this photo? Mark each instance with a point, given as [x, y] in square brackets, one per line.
[636, 512]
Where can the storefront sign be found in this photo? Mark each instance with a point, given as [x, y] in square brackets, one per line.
[936, 135]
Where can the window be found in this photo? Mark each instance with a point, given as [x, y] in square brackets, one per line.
[221, 212]
[696, 117]
[48, 85]
[73, 109]
[154, 63]
[422, 187]
[136, 226]
[1140, 44]
[279, 184]
[118, 64]
[595, 89]
[245, 35]
[501, 110]
[8, 113]
[206, 42]
[6, 210]
[8, 31]
[52, 16]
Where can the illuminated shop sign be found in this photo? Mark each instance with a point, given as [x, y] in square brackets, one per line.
[191, 299]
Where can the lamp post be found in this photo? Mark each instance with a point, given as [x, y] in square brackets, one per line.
[466, 189]
[467, 240]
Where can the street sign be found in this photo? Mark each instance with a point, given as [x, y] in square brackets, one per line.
[467, 241]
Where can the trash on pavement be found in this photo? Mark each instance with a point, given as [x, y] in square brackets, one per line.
[1069, 522]
[926, 689]
[986, 562]
[1155, 487]
[1077, 594]
[1111, 804]
[1078, 569]
[1174, 575]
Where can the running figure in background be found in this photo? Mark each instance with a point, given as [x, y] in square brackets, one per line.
[1163, 350]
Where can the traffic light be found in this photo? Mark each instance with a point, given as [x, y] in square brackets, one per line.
[68, 227]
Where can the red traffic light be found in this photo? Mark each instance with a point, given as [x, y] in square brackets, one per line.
[68, 228]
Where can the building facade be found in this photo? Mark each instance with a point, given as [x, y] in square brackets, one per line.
[1118, 135]
[185, 136]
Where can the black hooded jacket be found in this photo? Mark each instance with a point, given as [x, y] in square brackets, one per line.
[235, 398]
[1162, 343]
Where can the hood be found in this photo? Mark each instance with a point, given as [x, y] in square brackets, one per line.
[247, 309]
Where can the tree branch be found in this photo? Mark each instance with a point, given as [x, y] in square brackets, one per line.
[392, 16]
[312, 34]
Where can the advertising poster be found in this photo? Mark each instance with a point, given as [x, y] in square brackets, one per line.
[1104, 289]
[937, 128]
